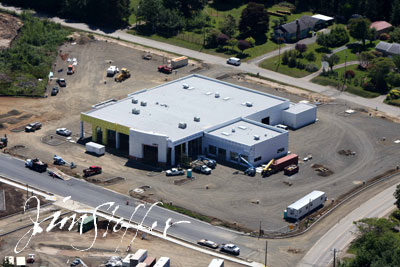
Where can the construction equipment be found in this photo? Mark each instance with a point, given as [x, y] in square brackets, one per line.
[251, 170]
[291, 169]
[209, 162]
[92, 170]
[57, 160]
[267, 171]
[125, 74]
[36, 165]
[165, 69]
[3, 142]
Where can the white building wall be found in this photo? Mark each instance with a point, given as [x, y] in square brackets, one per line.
[301, 119]
[138, 138]
[274, 114]
[268, 149]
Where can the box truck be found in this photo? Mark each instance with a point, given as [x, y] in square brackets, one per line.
[94, 148]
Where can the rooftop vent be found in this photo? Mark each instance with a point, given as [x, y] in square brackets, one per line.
[225, 133]
[196, 119]
[191, 88]
[182, 125]
[136, 111]
[209, 93]
[134, 101]
[242, 127]
[143, 103]
[226, 98]
[233, 130]
[256, 137]
[216, 95]
[249, 104]
[185, 86]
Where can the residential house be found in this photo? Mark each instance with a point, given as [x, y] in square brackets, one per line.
[388, 49]
[381, 27]
[301, 28]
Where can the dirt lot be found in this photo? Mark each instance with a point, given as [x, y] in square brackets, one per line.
[230, 196]
[54, 248]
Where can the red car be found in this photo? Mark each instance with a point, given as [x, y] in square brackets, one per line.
[165, 69]
[92, 170]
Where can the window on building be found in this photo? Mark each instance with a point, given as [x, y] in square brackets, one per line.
[280, 150]
[233, 156]
[212, 150]
[257, 159]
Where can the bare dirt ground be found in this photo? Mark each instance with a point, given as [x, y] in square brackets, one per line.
[54, 248]
[230, 196]
[9, 27]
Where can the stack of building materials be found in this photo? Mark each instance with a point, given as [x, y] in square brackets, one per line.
[163, 262]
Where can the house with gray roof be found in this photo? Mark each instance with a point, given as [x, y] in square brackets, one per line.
[388, 49]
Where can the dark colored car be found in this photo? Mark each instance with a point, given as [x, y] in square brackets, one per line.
[61, 82]
[54, 91]
[31, 127]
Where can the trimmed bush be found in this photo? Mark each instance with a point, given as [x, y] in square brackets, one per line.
[222, 39]
[311, 68]
[369, 86]
[292, 62]
[349, 74]
[384, 37]
[310, 56]
[300, 65]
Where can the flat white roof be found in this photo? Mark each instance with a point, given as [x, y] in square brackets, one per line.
[244, 132]
[306, 200]
[299, 108]
[169, 104]
[322, 17]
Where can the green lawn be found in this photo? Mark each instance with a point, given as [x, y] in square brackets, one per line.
[350, 56]
[352, 87]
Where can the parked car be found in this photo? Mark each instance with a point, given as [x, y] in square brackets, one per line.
[63, 131]
[230, 248]
[54, 91]
[208, 243]
[30, 258]
[70, 70]
[75, 262]
[31, 127]
[233, 61]
[111, 71]
[61, 82]
[175, 172]
[202, 169]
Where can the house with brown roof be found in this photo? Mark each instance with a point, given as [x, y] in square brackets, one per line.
[381, 27]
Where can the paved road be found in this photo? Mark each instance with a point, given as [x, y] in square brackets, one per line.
[245, 67]
[339, 236]
[93, 196]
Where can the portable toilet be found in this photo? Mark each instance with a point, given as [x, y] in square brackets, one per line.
[189, 173]
[285, 214]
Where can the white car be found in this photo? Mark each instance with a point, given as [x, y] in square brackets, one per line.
[175, 172]
[63, 131]
[230, 248]
[233, 61]
[208, 243]
[112, 70]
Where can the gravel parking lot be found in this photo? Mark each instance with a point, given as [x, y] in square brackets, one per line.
[226, 194]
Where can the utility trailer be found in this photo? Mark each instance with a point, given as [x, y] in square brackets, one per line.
[94, 148]
[36, 165]
[305, 205]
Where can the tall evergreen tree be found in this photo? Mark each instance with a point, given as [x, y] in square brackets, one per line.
[395, 17]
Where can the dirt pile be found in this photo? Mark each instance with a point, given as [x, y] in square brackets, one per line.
[9, 27]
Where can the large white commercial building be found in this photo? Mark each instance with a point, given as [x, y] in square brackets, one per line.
[197, 115]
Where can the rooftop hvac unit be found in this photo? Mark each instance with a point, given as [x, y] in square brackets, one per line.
[185, 86]
[136, 111]
[196, 119]
[182, 125]
[216, 95]
[256, 137]
[143, 103]
[227, 98]
[225, 133]
[233, 130]
[134, 101]
[249, 104]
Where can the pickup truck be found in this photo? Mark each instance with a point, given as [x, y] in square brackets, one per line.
[165, 69]
[36, 165]
[31, 127]
[202, 169]
[92, 170]
[175, 172]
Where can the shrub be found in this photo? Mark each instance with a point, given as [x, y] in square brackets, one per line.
[393, 94]
[285, 58]
[243, 45]
[368, 86]
[211, 38]
[355, 82]
[349, 74]
[310, 56]
[312, 68]
[384, 36]
[394, 79]
[292, 62]
[396, 214]
[301, 65]
[377, 53]
[301, 48]
[251, 41]
[337, 37]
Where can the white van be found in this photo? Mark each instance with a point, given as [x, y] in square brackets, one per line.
[233, 61]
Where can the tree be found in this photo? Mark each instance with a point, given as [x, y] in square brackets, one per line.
[365, 58]
[254, 20]
[232, 43]
[170, 23]
[310, 56]
[211, 38]
[187, 7]
[322, 40]
[243, 45]
[251, 41]
[395, 35]
[395, 17]
[229, 26]
[397, 196]
[332, 60]
[337, 37]
[379, 71]
[222, 39]
[359, 29]
[301, 48]
[396, 61]
[149, 11]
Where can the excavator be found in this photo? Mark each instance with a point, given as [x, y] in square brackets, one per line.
[123, 75]
[267, 171]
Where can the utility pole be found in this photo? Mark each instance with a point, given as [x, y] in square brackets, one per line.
[345, 63]
[266, 253]
[334, 257]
